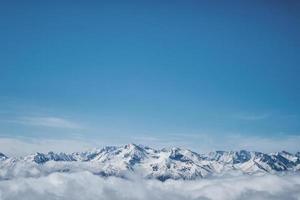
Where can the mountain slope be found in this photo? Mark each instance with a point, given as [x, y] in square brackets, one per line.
[167, 163]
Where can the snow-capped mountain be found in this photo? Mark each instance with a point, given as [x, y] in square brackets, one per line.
[163, 164]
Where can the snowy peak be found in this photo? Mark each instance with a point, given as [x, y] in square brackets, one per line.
[41, 158]
[167, 163]
[2, 156]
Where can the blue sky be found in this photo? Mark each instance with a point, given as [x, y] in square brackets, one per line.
[150, 72]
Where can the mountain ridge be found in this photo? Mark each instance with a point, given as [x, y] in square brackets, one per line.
[161, 164]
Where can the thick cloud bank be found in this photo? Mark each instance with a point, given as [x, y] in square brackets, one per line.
[86, 186]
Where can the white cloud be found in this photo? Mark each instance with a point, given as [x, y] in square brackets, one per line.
[48, 122]
[86, 186]
[251, 117]
[54, 122]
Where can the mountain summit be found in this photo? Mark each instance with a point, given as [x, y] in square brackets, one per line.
[162, 164]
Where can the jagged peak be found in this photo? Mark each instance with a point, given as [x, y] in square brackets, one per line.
[173, 162]
[285, 152]
[174, 149]
[136, 146]
[131, 146]
[3, 156]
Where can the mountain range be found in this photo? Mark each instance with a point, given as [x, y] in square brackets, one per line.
[150, 163]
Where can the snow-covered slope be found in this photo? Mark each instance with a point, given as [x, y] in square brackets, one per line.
[167, 163]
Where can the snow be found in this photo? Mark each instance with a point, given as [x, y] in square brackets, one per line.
[172, 163]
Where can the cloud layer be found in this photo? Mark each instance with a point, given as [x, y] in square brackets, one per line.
[86, 186]
[54, 122]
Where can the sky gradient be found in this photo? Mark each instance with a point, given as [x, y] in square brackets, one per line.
[182, 72]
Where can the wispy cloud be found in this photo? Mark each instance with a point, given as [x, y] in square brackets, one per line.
[205, 142]
[251, 117]
[200, 143]
[25, 146]
[54, 122]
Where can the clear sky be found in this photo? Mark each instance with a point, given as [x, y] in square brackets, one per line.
[191, 73]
